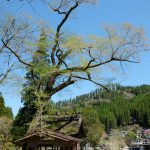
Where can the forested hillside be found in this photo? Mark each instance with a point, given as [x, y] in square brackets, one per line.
[121, 106]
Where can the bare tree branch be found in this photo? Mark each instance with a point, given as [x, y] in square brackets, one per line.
[62, 86]
[89, 79]
[58, 31]
[16, 55]
[4, 75]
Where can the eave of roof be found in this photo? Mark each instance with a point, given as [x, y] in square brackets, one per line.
[50, 134]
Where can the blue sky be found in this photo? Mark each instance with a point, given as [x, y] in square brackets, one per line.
[89, 20]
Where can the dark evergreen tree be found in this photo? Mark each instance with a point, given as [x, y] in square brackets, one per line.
[5, 111]
[8, 112]
[29, 94]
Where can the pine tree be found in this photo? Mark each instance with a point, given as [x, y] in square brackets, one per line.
[40, 60]
[29, 94]
[8, 112]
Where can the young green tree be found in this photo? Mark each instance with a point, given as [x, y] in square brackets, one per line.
[92, 126]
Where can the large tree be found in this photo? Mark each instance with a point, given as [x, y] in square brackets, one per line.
[73, 58]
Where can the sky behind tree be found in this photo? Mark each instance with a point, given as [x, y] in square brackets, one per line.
[90, 20]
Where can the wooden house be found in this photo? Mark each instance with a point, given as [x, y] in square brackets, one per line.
[63, 136]
[47, 140]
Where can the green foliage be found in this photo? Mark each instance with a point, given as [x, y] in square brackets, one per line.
[8, 112]
[108, 118]
[5, 111]
[140, 109]
[92, 126]
[131, 135]
[5, 134]
[2, 106]
[120, 107]
[22, 121]
[6, 117]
